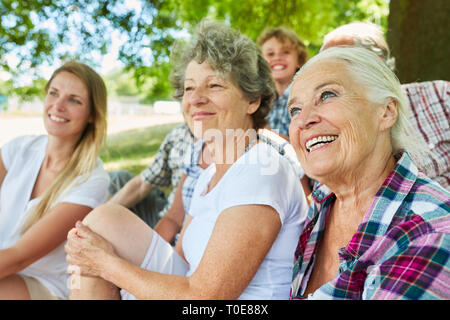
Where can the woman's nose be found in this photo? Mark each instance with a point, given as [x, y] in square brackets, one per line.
[59, 103]
[307, 117]
[198, 97]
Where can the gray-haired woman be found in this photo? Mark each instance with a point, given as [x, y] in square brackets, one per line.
[247, 207]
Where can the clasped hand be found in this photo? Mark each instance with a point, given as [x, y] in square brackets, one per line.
[87, 250]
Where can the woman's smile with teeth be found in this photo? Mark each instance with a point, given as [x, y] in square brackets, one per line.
[317, 142]
[55, 118]
[278, 67]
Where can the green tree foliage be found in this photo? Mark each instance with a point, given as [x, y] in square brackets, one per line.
[38, 31]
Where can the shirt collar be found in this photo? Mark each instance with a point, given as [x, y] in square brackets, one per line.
[383, 208]
[375, 222]
[385, 205]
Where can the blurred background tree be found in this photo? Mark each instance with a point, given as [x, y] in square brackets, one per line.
[46, 32]
[419, 38]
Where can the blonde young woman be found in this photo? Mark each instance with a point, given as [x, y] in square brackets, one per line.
[49, 182]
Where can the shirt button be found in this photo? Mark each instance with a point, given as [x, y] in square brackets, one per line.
[431, 145]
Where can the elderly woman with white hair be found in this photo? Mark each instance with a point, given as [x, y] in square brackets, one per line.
[377, 228]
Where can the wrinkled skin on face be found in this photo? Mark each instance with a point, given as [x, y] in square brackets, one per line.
[352, 133]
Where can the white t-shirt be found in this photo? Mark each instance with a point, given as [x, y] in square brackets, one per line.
[260, 176]
[22, 158]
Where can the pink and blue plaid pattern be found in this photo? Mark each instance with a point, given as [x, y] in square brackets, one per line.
[430, 106]
[400, 250]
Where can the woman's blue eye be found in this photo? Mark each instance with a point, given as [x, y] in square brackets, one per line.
[327, 94]
[294, 111]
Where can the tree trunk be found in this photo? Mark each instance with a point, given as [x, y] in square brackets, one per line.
[419, 37]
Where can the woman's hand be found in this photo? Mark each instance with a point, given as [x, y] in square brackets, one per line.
[87, 250]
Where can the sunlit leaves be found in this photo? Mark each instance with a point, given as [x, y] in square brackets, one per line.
[37, 31]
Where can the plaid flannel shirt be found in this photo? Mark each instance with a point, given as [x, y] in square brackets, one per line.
[400, 250]
[430, 106]
[166, 169]
[279, 118]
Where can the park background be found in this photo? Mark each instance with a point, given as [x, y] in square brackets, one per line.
[129, 43]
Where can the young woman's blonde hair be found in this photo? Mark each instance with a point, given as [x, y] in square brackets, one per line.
[85, 154]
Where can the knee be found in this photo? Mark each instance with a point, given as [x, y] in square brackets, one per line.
[121, 228]
[102, 217]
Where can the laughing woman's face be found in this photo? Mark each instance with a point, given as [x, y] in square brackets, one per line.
[334, 127]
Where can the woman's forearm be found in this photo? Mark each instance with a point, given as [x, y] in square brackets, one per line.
[11, 262]
[144, 284]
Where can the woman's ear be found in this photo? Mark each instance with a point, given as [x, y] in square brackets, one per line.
[253, 105]
[91, 118]
[390, 114]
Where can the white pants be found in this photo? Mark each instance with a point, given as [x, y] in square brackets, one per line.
[162, 258]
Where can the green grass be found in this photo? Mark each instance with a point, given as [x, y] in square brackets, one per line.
[133, 150]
